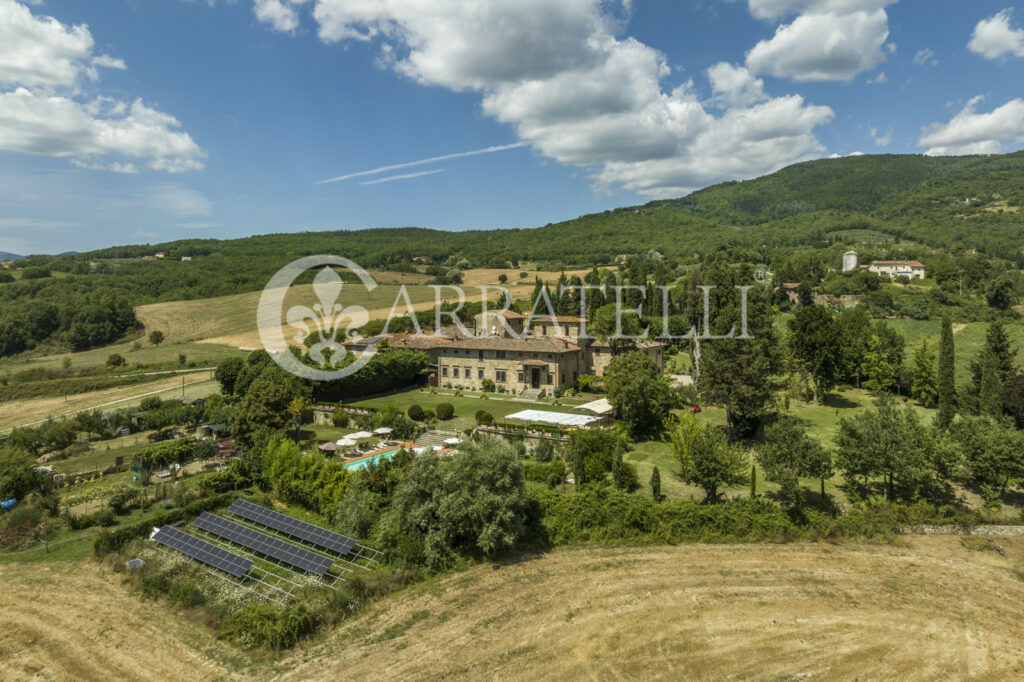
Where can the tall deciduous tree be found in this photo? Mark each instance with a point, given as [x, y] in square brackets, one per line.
[815, 342]
[790, 453]
[641, 394]
[740, 374]
[707, 460]
[889, 442]
[947, 374]
[471, 504]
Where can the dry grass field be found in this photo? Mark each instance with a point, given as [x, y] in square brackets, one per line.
[231, 320]
[23, 412]
[927, 609]
[224, 318]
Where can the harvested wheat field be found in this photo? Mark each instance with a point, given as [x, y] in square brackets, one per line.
[33, 410]
[929, 609]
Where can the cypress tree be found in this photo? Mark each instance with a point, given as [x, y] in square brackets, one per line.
[617, 467]
[579, 463]
[998, 344]
[753, 481]
[990, 396]
[947, 380]
[656, 484]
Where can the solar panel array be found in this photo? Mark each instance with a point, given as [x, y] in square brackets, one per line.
[264, 544]
[203, 551]
[293, 527]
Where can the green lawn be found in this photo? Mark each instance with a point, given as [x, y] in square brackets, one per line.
[822, 422]
[465, 405]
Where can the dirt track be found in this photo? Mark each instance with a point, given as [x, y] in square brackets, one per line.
[931, 610]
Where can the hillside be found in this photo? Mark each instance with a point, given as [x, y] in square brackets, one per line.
[888, 206]
[918, 197]
[930, 609]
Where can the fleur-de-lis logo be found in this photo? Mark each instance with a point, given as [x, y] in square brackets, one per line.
[327, 317]
[328, 320]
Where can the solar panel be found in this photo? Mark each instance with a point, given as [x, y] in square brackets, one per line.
[203, 551]
[264, 544]
[293, 527]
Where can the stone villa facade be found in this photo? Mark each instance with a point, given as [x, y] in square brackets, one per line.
[547, 359]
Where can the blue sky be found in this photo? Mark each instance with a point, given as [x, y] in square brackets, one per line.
[130, 121]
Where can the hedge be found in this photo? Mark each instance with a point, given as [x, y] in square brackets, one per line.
[112, 541]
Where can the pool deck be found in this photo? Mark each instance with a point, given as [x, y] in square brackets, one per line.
[391, 448]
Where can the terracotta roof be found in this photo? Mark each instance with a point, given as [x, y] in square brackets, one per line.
[597, 343]
[560, 318]
[417, 341]
[507, 314]
[531, 345]
[910, 263]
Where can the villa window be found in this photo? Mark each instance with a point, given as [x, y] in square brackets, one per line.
[455, 372]
[500, 354]
[444, 371]
[469, 372]
[499, 376]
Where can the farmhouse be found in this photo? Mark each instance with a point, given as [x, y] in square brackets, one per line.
[911, 269]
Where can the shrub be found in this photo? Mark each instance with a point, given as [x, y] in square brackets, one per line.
[487, 385]
[484, 417]
[445, 411]
[549, 473]
[115, 360]
[416, 413]
[544, 451]
[471, 504]
[266, 626]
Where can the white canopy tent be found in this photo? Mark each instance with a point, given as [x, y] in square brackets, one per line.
[347, 442]
[359, 434]
[557, 418]
[452, 441]
[600, 407]
[384, 430]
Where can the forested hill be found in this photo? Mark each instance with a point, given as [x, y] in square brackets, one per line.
[946, 203]
[940, 201]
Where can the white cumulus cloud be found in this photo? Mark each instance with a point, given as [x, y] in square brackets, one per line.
[576, 91]
[52, 125]
[773, 9]
[43, 64]
[970, 132]
[823, 46]
[994, 38]
[283, 15]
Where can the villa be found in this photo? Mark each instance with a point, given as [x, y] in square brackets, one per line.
[911, 269]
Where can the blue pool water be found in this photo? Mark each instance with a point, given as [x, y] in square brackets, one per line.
[363, 463]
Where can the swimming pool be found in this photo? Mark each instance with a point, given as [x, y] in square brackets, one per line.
[357, 464]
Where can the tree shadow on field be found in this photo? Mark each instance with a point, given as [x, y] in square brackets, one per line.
[839, 401]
